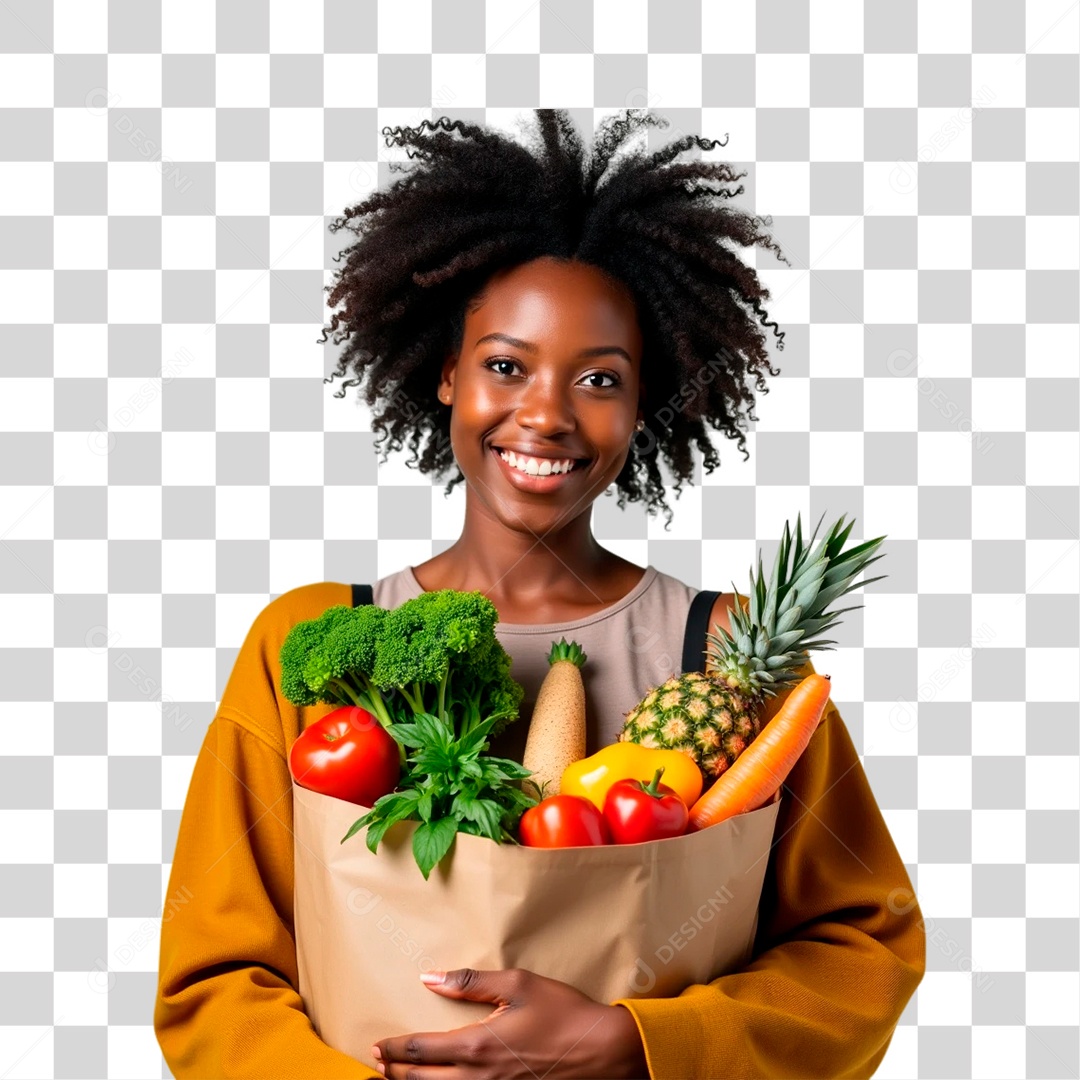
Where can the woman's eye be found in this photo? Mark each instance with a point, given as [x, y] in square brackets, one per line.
[503, 366]
[496, 363]
[603, 375]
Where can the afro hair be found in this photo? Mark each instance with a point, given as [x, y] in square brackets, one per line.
[473, 205]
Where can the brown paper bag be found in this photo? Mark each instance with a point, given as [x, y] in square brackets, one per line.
[626, 920]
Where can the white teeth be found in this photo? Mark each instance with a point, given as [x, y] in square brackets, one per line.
[534, 466]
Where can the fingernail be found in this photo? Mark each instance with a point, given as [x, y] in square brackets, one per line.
[381, 1067]
[431, 977]
[375, 1052]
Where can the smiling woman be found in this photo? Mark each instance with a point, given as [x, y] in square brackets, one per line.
[519, 314]
[550, 326]
[541, 423]
[638, 268]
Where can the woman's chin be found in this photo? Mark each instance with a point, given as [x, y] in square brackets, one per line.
[531, 516]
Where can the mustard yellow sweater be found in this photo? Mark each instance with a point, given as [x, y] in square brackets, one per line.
[840, 946]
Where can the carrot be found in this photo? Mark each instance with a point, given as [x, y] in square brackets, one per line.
[557, 727]
[757, 773]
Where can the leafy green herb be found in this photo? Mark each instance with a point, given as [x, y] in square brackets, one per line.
[450, 786]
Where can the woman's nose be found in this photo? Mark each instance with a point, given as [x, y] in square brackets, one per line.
[545, 407]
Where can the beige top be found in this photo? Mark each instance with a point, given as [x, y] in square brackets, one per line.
[631, 646]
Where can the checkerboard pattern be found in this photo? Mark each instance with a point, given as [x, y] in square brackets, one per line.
[170, 459]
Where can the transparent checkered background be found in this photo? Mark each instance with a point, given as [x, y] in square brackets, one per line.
[170, 459]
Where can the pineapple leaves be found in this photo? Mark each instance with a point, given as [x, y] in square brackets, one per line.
[855, 552]
[820, 643]
[779, 573]
[787, 602]
[780, 661]
[790, 618]
[816, 626]
[757, 598]
[780, 569]
[788, 612]
[835, 615]
[866, 581]
[782, 642]
[822, 547]
[845, 572]
[836, 541]
[811, 575]
[829, 595]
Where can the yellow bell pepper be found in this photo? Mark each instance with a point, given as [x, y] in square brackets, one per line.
[592, 776]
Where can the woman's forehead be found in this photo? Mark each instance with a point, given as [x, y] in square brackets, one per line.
[546, 301]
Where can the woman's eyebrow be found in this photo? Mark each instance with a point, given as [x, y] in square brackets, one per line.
[528, 346]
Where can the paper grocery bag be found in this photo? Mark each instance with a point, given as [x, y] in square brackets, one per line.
[625, 920]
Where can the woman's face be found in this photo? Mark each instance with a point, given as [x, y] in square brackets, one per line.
[567, 387]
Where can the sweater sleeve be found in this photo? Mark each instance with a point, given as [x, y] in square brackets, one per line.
[840, 946]
[227, 1002]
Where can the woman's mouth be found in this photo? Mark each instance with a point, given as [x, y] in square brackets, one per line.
[537, 474]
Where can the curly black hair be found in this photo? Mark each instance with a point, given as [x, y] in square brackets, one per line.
[481, 203]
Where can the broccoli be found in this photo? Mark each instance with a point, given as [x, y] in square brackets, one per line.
[436, 654]
[439, 650]
[437, 677]
[330, 658]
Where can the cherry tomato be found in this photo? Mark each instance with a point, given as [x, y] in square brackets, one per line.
[563, 821]
[636, 811]
[347, 754]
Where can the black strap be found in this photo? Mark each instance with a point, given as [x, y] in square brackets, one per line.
[362, 594]
[697, 623]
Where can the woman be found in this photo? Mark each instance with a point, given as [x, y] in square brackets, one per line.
[525, 314]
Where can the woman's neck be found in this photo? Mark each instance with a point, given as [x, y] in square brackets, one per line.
[520, 571]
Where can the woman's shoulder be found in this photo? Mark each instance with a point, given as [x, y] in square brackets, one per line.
[718, 613]
[253, 695]
[390, 590]
[300, 603]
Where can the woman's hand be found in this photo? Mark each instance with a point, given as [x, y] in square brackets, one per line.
[541, 1027]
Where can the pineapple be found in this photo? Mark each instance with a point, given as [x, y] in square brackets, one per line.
[714, 715]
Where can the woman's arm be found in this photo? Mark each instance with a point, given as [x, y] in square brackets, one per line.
[840, 947]
[227, 1002]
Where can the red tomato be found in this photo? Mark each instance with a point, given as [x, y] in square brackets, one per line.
[347, 754]
[563, 821]
[636, 811]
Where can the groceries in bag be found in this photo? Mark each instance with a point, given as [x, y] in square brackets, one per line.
[760, 770]
[557, 725]
[347, 754]
[715, 715]
[369, 919]
[561, 821]
[435, 675]
[591, 777]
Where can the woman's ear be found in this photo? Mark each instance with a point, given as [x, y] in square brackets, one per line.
[446, 380]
